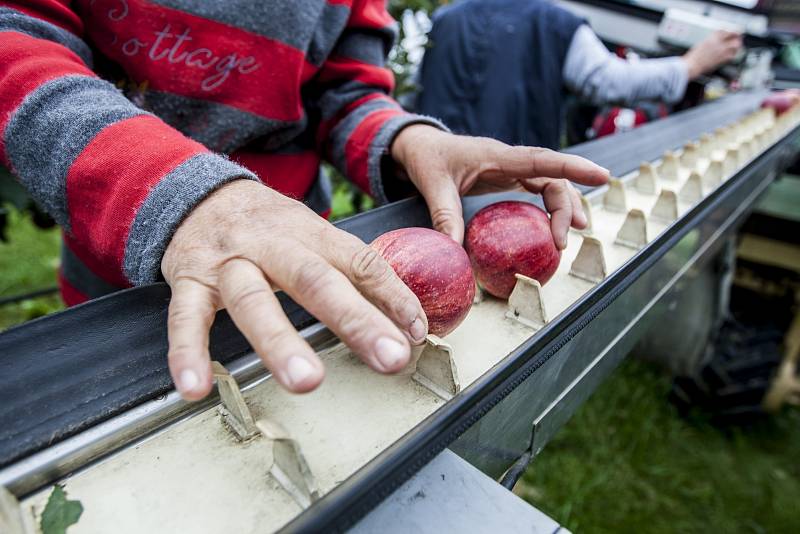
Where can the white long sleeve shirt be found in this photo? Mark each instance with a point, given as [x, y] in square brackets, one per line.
[600, 77]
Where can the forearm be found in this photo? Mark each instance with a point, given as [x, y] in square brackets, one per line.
[601, 78]
[359, 120]
[628, 83]
[117, 179]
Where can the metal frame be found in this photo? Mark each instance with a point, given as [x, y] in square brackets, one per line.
[549, 375]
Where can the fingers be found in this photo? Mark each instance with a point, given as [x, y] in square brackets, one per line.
[529, 162]
[375, 279]
[563, 202]
[257, 313]
[328, 295]
[732, 42]
[729, 36]
[559, 202]
[579, 220]
[444, 203]
[191, 313]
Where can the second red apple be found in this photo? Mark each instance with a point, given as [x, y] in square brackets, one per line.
[508, 238]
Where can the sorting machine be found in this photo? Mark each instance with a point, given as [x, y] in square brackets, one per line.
[86, 401]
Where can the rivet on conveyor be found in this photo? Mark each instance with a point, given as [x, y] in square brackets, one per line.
[744, 152]
[666, 207]
[734, 134]
[690, 157]
[647, 180]
[670, 165]
[526, 304]
[615, 198]
[235, 413]
[436, 370]
[478, 298]
[289, 466]
[707, 146]
[754, 146]
[692, 190]
[729, 163]
[713, 175]
[723, 138]
[12, 518]
[762, 139]
[633, 233]
[738, 156]
[590, 263]
[587, 210]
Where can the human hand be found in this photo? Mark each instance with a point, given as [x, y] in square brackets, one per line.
[717, 49]
[444, 167]
[244, 241]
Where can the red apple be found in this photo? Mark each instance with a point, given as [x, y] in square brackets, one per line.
[507, 238]
[780, 101]
[436, 269]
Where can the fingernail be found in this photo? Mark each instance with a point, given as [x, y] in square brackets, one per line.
[391, 354]
[298, 370]
[581, 218]
[417, 330]
[187, 380]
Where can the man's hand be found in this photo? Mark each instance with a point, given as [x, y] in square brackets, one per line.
[444, 167]
[244, 241]
[717, 49]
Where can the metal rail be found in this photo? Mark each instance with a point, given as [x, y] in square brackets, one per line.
[135, 425]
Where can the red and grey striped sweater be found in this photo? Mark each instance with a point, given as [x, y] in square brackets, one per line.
[114, 113]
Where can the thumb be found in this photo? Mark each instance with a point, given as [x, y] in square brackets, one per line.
[444, 203]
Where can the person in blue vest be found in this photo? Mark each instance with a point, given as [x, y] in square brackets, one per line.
[501, 69]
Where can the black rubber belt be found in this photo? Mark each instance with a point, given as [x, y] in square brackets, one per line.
[69, 371]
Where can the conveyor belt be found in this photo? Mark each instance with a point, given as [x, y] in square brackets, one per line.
[66, 372]
[622, 153]
[358, 493]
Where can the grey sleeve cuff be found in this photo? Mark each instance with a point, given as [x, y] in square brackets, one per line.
[380, 174]
[166, 206]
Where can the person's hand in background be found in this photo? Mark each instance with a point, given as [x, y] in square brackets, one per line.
[715, 50]
[443, 167]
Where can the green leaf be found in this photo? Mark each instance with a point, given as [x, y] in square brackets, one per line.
[60, 513]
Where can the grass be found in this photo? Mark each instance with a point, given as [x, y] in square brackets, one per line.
[28, 261]
[626, 462]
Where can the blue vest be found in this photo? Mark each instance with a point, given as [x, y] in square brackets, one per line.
[494, 69]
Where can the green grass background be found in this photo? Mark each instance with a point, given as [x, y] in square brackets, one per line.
[626, 462]
[28, 261]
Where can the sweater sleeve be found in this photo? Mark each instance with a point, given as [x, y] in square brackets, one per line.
[117, 179]
[359, 120]
[600, 77]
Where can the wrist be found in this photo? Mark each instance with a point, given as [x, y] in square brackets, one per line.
[403, 144]
[693, 66]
